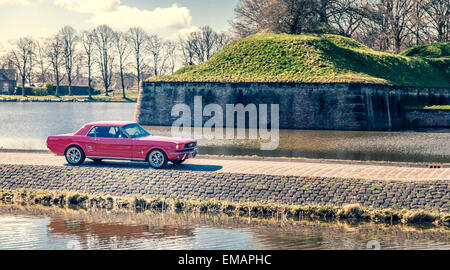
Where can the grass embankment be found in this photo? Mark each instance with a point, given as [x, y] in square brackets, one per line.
[431, 50]
[115, 96]
[313, 58]
[434, 107]
[254, 209]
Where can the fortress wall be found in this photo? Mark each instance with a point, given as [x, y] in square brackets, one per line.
[329, 106]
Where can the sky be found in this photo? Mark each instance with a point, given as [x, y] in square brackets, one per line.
[43, 18]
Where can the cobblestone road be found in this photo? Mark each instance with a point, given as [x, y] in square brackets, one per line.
[303, 168]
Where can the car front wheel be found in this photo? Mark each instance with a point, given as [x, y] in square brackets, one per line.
[157, 159]
[75, 155]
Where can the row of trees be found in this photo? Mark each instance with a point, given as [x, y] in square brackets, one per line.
[107, 56]
[387, 25]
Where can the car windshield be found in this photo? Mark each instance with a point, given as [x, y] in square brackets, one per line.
[136, 131]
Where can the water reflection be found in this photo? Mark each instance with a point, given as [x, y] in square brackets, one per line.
[53, 228]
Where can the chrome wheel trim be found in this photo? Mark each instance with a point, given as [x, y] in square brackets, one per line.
[156, 158]
[73, 155]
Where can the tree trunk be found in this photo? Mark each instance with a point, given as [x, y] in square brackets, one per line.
[70, 86]
[123, 83]
[89, 81]
[57, 86]
[23, 85]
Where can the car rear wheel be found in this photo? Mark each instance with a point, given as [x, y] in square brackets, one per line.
[178, 162]
[157, 159]
[75, 155]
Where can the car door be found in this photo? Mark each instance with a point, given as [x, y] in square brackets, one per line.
[112, 142]
[90, 148]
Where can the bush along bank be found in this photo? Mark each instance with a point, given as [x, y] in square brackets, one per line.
[351, 212]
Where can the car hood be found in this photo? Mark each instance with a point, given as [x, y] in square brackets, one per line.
[166, 139]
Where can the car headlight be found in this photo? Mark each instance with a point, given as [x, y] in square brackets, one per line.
[178, 147]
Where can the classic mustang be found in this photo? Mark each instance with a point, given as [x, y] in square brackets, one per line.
[121, 141]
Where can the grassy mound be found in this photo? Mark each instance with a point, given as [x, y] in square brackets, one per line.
[432, 50]
[312, 58]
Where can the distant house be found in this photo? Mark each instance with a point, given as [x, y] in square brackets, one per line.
[8, 81]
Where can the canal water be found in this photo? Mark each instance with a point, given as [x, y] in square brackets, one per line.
[50, 229]
[26, 126]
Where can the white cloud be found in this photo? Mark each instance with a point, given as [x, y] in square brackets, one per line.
[173, 17]
[186, 31]
[116, 15]
[14, 2]
[88, 6]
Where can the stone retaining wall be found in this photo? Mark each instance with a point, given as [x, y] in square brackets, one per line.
[427, 195]
[329, 106]
[428, 118]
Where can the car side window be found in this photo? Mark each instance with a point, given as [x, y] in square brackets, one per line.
[109, 132]
[121, 134]
[104, 132]
[92, 132]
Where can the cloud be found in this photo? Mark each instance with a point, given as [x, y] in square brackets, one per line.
[116, 15]
[14, 2]
[88, 6]
[173, 17]
[186, 31]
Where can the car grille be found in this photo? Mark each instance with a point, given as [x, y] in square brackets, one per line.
[190, 145]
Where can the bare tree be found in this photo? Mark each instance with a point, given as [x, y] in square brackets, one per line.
[292, 16]
[30, 66]
[41, 58]
[137, 37]
[347, 16]
[55, 54]
[186, 45]
[104, 41]
[171, 48]
[88, 42]
[69, 39]
[198, 46]
[399, 13]
[250, 17]
[155, 46]
[121, 44]
[21, 52]
[439, 14]
[223, 39]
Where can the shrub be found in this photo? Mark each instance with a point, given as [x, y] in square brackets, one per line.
[418, 216]
[351, 211]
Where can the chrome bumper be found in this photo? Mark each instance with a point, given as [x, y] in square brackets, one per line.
[184, 153]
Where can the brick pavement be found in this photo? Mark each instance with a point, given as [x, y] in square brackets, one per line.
[302, 168]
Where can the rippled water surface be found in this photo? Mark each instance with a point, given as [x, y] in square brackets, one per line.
[26, 126]
[51, 229]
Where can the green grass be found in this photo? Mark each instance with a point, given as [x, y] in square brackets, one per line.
[313, 58]
[431, 50]
[116, 96]
[434, 107]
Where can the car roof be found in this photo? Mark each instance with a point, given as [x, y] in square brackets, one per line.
[110, 123]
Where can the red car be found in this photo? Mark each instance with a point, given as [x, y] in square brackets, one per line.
[121, 141]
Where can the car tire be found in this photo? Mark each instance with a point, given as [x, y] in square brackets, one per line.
[157, 159]
[178, 162]
[74, 155]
